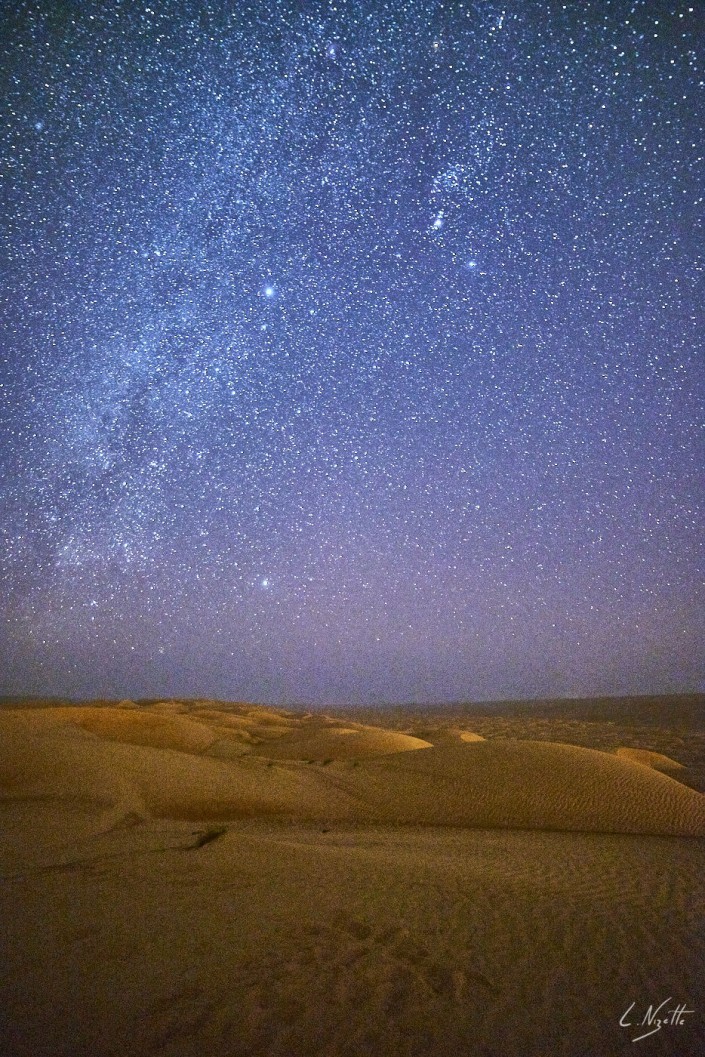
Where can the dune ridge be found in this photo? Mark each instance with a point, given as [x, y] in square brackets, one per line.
[648, 758]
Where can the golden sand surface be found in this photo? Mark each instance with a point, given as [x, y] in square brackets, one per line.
[198, 877]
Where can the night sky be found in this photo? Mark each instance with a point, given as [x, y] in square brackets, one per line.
[352, 352]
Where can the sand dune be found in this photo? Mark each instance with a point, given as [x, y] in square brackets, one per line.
[536, 785]
[469, 735]
[155, 763]
[657, 760]
[344, 743]
[133, 727]
[183, 878]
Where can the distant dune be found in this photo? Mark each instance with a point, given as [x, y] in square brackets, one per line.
[164, 761]
[657, 760]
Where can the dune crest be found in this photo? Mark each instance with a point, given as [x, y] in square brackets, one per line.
[470, 736]
[647, 758]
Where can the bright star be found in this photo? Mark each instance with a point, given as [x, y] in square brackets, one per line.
[269, 291]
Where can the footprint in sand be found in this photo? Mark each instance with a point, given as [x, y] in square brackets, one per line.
[186, 1013]
[389, 970]
[342, 983]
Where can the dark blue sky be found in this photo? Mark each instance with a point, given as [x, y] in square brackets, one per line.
[352, 351]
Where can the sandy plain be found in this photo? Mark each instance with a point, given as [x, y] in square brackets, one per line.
[197, 877]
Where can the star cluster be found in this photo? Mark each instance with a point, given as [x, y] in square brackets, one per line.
[352, 351]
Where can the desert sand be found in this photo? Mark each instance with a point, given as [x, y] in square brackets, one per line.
[199, 877]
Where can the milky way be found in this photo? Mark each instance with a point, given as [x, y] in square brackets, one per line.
[352, 351]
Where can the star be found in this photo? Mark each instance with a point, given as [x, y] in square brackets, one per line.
[310, 290]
